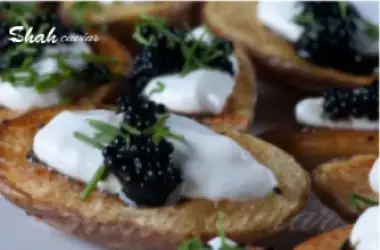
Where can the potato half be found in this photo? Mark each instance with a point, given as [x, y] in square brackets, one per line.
[275, 56]
[106, 220]
[335, 180]
[331, 240]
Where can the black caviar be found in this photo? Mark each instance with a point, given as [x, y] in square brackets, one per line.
[169, 51]
[330, 37]
[362, 102]
[144, 167]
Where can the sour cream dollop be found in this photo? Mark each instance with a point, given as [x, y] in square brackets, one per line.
[214, 166]
[22, 98]
[200, 91]
[310, 112]
[365, 234]
[374, 176]
[278, 17]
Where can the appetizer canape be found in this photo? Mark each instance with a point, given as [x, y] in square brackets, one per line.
[44, 62]
[308, 44]
[348, 185]
[119, 17]
[142, 178]
[342, 122]
[194, 73]
[364, 235]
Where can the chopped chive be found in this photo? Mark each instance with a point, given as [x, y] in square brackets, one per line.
[90, 141]
[160, 88]
[140, 39]
[103, 127]
[193, 244]
[343, 7]
[131, 129]
[104, 138]
[156, 21]
[356, 198]
[159, 123]
[98, 176]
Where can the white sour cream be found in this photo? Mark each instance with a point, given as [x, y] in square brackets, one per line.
[365, 234]
[374, 176]
[216, 243]
[310, 112]
[202, 34]
[214, 166]
[278, 17]
[200, 91]
[22, 98]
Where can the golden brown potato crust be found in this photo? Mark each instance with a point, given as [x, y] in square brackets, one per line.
[104, 219]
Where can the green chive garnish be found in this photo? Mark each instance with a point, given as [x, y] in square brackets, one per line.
[86, 139]
[160, 88]
[343, 7]
[131, 130]
[356, 198]
[98, 176]
[103, 127]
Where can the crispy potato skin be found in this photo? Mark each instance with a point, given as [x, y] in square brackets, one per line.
[335, 180]
[275, 58]
[327, 241]
[105, 220]
[322, 142]
[104, 94]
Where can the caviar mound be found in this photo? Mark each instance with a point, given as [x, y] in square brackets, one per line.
[166, 50]
[360, 102]
[142, 165]
[106, 220]
[330, 39]
[274, 57]
[238, 112]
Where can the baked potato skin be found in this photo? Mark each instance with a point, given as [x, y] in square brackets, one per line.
[335, 180]
[274, 58]
[332, 240]
[322, 142]
[105, 220]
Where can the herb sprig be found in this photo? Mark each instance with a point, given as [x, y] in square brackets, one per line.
[159, 89]
[193, 60]
[356, 199]
[27, 74]
[106, 133]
